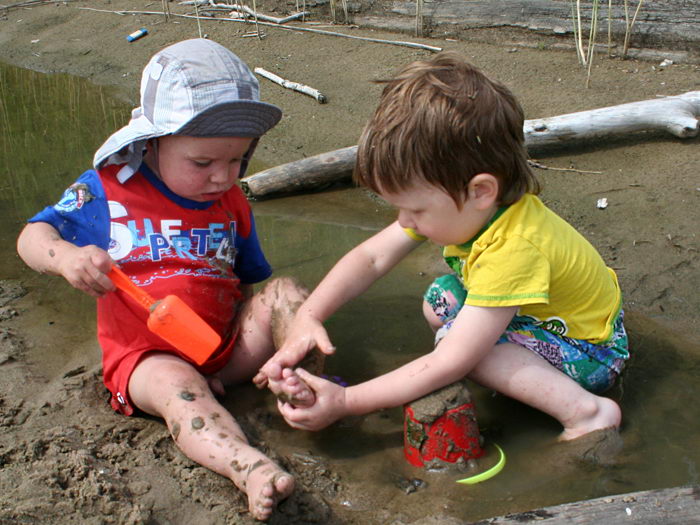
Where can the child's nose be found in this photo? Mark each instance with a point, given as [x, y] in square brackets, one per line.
[405, 220]
[224, 174]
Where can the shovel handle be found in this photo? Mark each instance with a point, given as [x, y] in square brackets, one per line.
[124, 283]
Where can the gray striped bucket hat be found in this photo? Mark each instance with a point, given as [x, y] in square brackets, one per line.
[196, 88]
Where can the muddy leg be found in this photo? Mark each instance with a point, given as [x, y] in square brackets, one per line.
[284, 297]
[165, 386]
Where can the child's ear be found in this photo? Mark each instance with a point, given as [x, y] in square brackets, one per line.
[483, 189]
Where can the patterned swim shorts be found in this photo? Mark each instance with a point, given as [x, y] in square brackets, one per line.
[594, 366]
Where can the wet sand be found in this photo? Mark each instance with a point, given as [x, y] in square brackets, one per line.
[66, 458]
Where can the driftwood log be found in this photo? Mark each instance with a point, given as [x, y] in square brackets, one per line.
[311, 173]
[667, 24]
[677, 115]
[674, 506]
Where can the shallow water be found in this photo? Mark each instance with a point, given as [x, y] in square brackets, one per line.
[49, 127]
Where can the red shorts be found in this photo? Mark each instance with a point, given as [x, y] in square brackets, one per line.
[117, 378]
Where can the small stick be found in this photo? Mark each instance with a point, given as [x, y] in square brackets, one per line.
[610, 46]
[25, 4]
[419, 17]
[628, 27]
[199, 25]
[295, 86]
[255, 14]
[536, 164]
[289, 18]
[166, 10]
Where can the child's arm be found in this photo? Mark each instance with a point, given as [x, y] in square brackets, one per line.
[85, 268]
[474, 333]
[351, 276]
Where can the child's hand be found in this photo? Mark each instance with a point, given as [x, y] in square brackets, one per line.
[40, 245]
[86, 268]
[328, 408]
[305, 334]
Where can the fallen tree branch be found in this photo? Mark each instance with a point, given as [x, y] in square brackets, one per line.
[413, 45]
[677, 115]
[295, 86]
[305, 174]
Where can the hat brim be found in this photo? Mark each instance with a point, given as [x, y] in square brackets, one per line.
[243, 118]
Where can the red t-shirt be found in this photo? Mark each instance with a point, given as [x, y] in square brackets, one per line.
[200, 252]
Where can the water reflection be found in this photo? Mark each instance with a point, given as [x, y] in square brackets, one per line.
[50, 126]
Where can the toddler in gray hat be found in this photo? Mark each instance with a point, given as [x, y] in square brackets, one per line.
[162, 203]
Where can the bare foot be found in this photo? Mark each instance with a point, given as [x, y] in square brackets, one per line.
[266, 485]
[294, 390]
[604, 413]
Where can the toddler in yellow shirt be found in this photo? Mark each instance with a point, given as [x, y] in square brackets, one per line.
[530, 308]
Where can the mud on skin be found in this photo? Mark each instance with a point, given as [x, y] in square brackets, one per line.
[187, 395]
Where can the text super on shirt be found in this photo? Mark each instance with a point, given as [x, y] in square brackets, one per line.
[199, 251]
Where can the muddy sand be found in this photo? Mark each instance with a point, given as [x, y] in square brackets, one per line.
[66, 458]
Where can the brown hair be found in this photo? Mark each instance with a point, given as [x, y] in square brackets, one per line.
[443, 121]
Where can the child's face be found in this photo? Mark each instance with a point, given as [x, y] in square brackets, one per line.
[199, 169]
[431, 212]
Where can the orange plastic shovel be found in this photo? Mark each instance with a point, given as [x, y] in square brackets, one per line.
[173, 320]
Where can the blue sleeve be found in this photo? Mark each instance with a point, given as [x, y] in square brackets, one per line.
[82, 214]
[251, 266]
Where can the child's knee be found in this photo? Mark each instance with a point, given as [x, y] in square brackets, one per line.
[431, 317]
[281, 297]
[283, 290]
[271, 309]
[445, 297]
[159, 377]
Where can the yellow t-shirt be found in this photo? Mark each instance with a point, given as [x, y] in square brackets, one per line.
[532, 258]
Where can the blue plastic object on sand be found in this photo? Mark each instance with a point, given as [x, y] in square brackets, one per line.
[137, 34]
